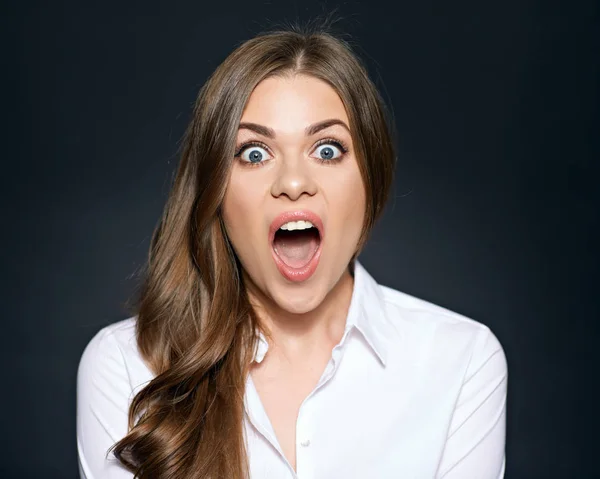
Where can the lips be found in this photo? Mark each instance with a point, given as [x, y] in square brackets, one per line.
[296, 275]
[298, 215]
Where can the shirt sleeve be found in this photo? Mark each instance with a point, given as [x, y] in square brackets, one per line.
[103, 398]
[475, 446]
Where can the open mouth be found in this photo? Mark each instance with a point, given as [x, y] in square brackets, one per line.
[296, 247]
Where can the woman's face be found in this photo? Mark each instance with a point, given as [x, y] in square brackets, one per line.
[295, 154]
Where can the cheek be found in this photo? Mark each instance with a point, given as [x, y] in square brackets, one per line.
[233, 208]
[347, 197]
[237, 207]
[359, 197]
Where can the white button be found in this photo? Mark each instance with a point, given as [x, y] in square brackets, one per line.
[305, 443]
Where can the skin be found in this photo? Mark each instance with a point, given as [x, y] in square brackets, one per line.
[306, 319]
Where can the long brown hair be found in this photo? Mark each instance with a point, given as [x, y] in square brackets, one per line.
[196, 329]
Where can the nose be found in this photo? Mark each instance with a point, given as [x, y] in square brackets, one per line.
[294, 177]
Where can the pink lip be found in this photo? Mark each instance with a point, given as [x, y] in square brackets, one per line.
[305, 215]
[296, 274]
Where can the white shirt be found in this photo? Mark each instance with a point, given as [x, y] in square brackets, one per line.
[411, 391]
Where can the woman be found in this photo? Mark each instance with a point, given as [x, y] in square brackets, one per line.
[261, 347]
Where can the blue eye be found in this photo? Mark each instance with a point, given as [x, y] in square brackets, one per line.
[328, 151]
[257, 154]
[254, 154]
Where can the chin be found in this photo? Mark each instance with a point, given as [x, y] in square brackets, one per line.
[300, 302]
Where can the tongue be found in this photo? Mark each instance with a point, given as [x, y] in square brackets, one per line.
[296, 248]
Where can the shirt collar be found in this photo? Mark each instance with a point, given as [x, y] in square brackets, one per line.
[366, 313]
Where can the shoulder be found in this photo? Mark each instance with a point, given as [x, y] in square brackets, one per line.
[455, 369]
[112, 355]
[434, 333]
[109, 342]
[110, 373]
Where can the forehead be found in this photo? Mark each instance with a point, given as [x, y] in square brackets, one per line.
[290, 103]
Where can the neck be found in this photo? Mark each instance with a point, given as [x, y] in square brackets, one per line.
[294, 336]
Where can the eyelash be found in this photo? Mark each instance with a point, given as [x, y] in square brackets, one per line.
[338, 143]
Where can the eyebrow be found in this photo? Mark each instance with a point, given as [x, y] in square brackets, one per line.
[309, 130]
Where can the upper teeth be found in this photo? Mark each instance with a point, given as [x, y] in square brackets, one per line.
[297, 225]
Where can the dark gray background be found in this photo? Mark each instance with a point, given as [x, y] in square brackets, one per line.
[494, 212]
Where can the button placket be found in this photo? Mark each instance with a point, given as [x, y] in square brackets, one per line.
[304, 431]
[304, 463]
